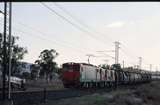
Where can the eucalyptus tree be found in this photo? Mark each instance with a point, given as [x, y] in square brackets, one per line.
[47, 64]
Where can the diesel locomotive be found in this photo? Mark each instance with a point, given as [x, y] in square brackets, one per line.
[88, 75]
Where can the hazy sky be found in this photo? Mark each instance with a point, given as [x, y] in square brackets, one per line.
[135, 25]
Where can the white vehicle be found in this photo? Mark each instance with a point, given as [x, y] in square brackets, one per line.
[16, 82]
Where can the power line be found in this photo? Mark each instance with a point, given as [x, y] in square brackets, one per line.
[43, 38]
[129, 56]
[81, 22]
[132, 56]
[107, 55]
[91, 55]
[71, 15]
[42, 34]
[38, 36]
[73, 24]
[48, 40]
[37, 31]
[132, 53]
[70, 51]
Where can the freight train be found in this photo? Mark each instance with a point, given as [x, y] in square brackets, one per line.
[88, 75]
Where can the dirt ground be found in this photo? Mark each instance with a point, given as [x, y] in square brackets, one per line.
[145, 94]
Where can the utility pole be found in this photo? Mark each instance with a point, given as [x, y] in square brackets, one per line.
[10, 49]
[89, 55]
[4, 53]
[116, 52]
[7, 65]
[140, 63]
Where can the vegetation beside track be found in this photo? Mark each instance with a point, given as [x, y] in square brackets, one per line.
[145, 94]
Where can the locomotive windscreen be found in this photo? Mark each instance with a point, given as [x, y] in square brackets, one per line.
[74, 67]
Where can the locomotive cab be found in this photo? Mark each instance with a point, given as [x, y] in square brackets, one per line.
[70, 74]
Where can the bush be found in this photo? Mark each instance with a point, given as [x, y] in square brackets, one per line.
[26, 75]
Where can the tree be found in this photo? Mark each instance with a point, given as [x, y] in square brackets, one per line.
[116, 67]
[34, 71]
[18, 53]
[26, 75]
[47, 65]
[104, 66]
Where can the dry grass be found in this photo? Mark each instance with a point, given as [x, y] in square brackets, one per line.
[146, 94]
[150, 93]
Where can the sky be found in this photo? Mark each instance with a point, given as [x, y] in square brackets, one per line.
[95, 27]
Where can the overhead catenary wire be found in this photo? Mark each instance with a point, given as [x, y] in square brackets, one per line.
[50, 41]
[50, 44]
[78, 26]
[34, 30]
[132, 56]
[73, 24]
[42, 35]
[29, 27]
[83, 23]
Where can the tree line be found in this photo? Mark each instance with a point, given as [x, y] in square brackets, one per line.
[45, 65]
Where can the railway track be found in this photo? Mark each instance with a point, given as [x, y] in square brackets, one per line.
[37, 97]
